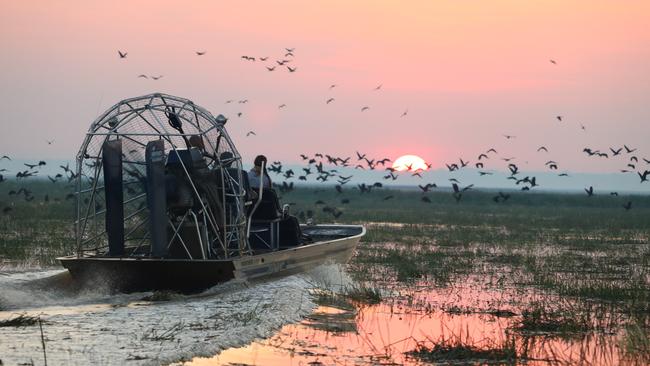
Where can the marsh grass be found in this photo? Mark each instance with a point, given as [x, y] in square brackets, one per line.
[635, 343]
[455, 350]
[537, 318]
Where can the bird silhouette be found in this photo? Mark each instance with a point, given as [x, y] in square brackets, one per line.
[156, 77]
[270, 68]
[404, 113]
[644, 176]
[365, 108]
[628, 150]
[552, 61]
[291, 69]
[542, 148]
[251, 133]
[200, 53]
[281, 106]
[425, 188]
[143, 76]
[379, 86]
[263, 58]
[5, 157]
[329, 101]
[615, 152]
[559, 118]
[590, 191]
[122, 54]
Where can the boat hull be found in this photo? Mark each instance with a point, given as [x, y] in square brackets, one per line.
[183, 275]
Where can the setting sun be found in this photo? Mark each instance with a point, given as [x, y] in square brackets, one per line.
[409, 163]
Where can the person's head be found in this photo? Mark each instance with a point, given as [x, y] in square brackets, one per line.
[226, 159]
[197, 141]
[257, 163]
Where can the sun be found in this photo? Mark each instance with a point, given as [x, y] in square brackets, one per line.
[410, 163]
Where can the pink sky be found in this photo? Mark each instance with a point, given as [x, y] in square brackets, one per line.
[467, 71]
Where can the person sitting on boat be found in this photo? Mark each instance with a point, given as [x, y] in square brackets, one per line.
[255, 174]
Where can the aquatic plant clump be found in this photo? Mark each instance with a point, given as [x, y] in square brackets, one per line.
[456, 350]
[21, 320]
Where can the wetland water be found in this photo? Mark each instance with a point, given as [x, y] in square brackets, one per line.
[539, 281]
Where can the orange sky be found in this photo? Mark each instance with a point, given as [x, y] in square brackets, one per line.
[466, 71]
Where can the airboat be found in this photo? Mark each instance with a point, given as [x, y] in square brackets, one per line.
[162, 203]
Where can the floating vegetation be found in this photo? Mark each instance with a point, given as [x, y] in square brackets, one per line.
[161, 296]
[168, 334]
[22, 320]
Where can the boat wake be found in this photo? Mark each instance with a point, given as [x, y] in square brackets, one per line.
[83, 326]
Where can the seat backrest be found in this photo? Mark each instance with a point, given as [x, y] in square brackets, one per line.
[269, 208]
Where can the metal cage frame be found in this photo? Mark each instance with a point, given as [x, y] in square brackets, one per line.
[137, 121]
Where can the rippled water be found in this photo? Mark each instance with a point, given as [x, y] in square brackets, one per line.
[94, 326]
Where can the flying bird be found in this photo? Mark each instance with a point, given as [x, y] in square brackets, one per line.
[379, 86]
[559, 118]
[329, 101]
[291, 69]
[590, 191]
[405, 113]
[552, 61]
[628, 149]
[365, 108]
[270, 68]
[156, 77]
[251, 133]
[644, 176]
[542, 148]
[615, 152]
[143, 76]
[122, 54]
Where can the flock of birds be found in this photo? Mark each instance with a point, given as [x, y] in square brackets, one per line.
[324, 167]
[328, 168]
